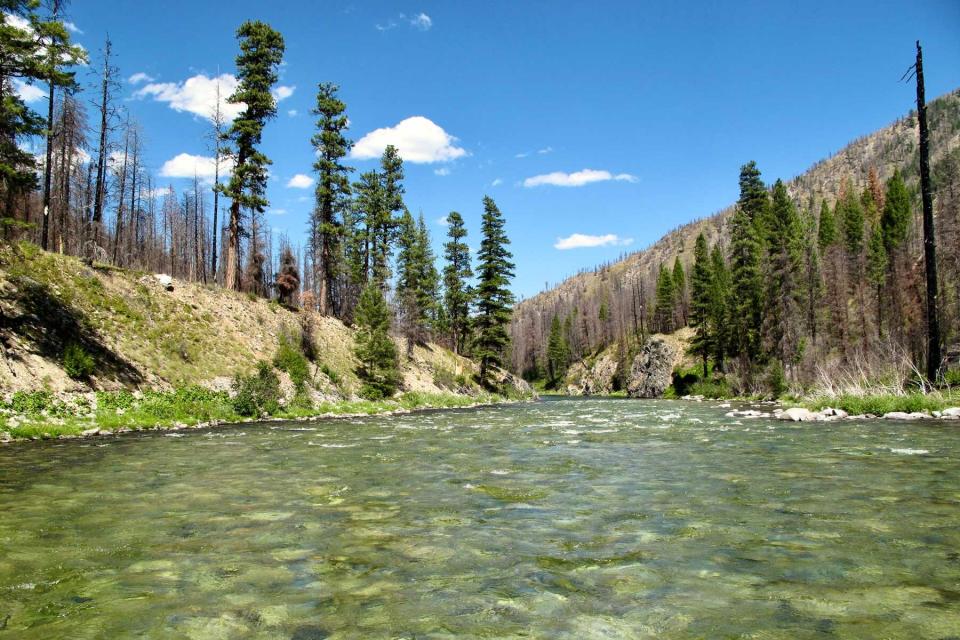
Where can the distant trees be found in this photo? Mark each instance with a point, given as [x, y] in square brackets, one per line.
[494, 299]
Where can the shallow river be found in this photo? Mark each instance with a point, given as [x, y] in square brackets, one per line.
[562, 519]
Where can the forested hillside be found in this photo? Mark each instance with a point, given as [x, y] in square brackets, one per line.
[832, 260]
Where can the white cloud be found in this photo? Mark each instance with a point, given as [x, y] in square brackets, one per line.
[185, 165]
[139, 77]
[521, 155]
[442, 171]
[418, 139]
[443, 222]
[277, 212]
[545, 150]
[159, 193]
[300, 181]
[580, 240]
[292, 113]
[496, 182]
[198, 94]
[72, 28]
[385, 27]
[421, 21]
[577, 178]
[17, 22]
[282, 92]
[29, 93]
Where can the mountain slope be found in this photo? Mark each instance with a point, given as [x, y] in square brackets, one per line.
[614, 301]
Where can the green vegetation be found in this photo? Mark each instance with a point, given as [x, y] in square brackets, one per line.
[379, 366]
[77, 362]
[494, 298]
[886, 403]
[257, 394]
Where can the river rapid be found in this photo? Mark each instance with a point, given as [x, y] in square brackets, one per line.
[565, 518]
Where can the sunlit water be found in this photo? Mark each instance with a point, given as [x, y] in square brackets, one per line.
[561, 519]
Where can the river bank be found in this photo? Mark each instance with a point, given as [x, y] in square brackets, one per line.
[41, 416]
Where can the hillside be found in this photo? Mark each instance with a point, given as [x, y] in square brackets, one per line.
[143, 336]
[616, 300]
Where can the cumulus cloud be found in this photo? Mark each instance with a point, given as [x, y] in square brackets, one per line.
[300, 181]
[29, 93]
[185, 165]
[443, 222]
[418, 139]
[198, 94]
[139, 77]
[582, 240]
[421, 21]
[442, 171]
[496, 182]
[577, 178]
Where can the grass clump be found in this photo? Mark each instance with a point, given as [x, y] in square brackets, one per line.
[77, 362]
[879, 405]
[290, 358]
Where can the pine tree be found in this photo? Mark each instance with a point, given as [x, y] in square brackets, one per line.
[813, 287]
[784, 289]
[827, 228]
[747, 233]
[379, 366]
[663, 315]
[895, 220]
[382, 222]
[261, 52]
[417, 280]
[701, 292]
[877, 271]
[457, 292]
[494, 299]
[850, 213]
[680, 292]
[720, 306]
[332, 192]
[558, 353]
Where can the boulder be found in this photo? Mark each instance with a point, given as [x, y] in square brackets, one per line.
[652, 370]
[902, 415]
[952, 412]
[90, 432]
[592, 380]
[799, 414]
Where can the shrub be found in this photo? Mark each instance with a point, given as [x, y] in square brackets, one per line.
[113, 400]
[290, 358]
[77, 362]
[32, 402]
[776, 380]
[257, 394]
[333, 375]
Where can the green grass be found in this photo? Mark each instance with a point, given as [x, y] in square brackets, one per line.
[41, 415]
[880, 404]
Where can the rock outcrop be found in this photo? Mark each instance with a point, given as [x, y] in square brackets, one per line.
[652, 369]
[592, 380]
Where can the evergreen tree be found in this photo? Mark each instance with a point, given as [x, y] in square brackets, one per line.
[720, 306]
[827, 228]
[558, 353]
[261, 52]
[663, 315]
[746, 250]
[368, 207]
[382, 222]
[701, 293]
[417, 280]
[457, 293]
[332, 192]
[877, 271]
[680, 292]
[811, 267]
[850, 214]
[895, 220]
[784, 285]
[379, 366]
[494, 299]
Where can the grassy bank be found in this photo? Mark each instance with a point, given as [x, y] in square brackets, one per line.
[880, 404]
[42, 415]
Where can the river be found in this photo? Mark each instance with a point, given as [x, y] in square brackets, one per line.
[566, 518]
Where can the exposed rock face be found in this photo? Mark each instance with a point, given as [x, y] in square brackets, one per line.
[652, 369]
[594, 380]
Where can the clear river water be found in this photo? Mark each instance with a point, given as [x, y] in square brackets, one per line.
[566, 518]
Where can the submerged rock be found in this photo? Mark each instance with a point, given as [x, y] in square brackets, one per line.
[652, 369]
[902, 415]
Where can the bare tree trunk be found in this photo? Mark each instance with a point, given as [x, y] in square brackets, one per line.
[929, 241]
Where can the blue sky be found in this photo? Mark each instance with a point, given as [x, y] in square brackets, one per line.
[617, 121]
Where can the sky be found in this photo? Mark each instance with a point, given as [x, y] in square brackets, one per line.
[596, 127]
